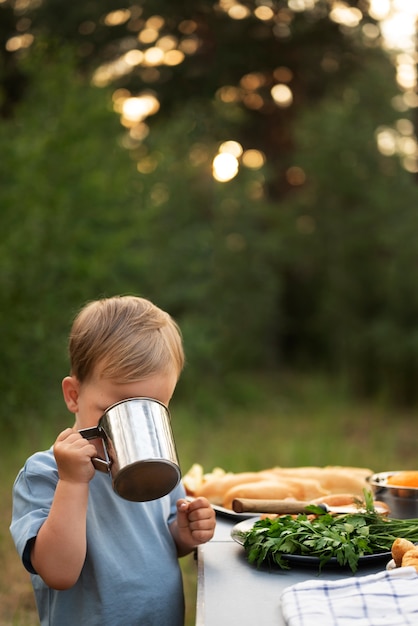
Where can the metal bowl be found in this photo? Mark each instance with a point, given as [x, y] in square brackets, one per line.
[402, 501]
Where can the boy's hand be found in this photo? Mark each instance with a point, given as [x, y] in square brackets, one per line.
[73, 455]
[195, 524]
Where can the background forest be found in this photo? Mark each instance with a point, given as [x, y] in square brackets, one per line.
[307, 260]
[301, 266]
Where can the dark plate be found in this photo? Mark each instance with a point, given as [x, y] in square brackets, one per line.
[309, 561]
[230, 514]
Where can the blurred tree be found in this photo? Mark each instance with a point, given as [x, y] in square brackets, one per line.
[63, 188]
[352, 259]
[227, 52]
[288, 262]
[81, 222]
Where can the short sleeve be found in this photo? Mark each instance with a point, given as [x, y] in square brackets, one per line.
[33, 492]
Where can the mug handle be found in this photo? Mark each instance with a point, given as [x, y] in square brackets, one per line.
[96, 433]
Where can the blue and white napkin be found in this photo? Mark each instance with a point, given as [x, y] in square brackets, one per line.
[389, 598]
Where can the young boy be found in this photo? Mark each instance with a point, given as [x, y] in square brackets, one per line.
[95, 558]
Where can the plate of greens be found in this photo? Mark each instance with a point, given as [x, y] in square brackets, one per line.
[286, 545]
[322, 539]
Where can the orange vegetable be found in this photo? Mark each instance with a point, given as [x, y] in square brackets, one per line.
[404, 479]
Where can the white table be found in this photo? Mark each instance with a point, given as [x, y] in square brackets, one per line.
[231, 592]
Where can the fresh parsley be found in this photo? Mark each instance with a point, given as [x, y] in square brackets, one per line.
[325, 536]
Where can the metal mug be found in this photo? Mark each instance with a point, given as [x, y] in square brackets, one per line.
[140, 449]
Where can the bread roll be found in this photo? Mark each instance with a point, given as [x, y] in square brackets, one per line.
[193, 480]
[333, 479]
[215, 489]
[302, 483]
[410, 558]
[343, 483]
[265, 489]
[399, 548]
[336, 499]
[308, 488]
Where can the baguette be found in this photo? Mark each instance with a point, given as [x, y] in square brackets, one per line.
[264, 489]
[273, 488]
[214, 489]
[301, 483]
[333, 479]
[336, 499]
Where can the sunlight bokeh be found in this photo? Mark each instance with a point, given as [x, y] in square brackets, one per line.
[225, 167]
[396, 29]
[151, 48]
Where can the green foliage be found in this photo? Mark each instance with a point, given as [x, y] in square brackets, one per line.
[219, 250]
[258, 273]
[81, 222]
[65, 187]
[352, 302]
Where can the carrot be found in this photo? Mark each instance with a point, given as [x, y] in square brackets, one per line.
[404, 479]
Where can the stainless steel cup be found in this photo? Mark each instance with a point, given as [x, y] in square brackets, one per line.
[140, 449]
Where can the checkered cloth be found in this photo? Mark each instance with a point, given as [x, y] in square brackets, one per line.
[389, 598]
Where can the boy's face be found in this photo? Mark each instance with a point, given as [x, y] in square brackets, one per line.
[89, 400]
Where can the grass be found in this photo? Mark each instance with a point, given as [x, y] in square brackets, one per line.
[280, 420]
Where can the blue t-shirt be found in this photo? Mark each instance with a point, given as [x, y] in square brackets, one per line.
[131, 575]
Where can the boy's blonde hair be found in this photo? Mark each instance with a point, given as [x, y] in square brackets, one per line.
[125, 338]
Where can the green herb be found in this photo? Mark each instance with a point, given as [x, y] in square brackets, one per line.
[325, 536]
